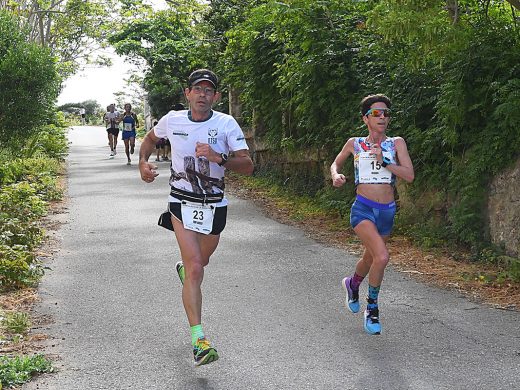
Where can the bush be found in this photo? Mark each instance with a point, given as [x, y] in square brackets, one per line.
[50, 141]
[14, 232]
[18, 267]
[19, 369]
[15, 323]
[40, 172]
[21, 201]
[29, 84]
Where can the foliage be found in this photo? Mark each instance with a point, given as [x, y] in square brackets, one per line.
[28, 84]
[169, 44]
[26, 187]
[20, 208]
[459, 124]
[39, 173]
[50, 141]
[15, 322]
[92, 110]
[18, 267]
[451, 69]
[72, 30]
[301, 66]
[20, 369]
[291, 59]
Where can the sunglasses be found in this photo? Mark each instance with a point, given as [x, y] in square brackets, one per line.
[377, 112]
[207, 90]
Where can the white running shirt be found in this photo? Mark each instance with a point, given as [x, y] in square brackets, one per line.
[189, 173]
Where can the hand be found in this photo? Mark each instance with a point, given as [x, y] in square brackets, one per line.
[338, 180]
[375, 149]
[148, 171]
[204, 150]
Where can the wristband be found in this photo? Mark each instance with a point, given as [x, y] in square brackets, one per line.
[224, 158]
[386, 162]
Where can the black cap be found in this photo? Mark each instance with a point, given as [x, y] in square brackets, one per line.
[203, 75]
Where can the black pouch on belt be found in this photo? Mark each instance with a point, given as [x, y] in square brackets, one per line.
[165, 220]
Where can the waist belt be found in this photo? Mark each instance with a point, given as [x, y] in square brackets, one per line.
[196, 198]
[375, 205]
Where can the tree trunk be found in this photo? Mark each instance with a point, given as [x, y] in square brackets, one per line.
[514, 3]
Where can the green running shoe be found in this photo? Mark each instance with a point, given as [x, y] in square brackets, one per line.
[180, 270]
[203, 352]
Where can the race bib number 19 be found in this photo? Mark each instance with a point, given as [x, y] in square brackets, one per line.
[371, 170]
[197, 217]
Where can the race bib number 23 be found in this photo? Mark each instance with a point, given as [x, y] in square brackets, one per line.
[197, 217]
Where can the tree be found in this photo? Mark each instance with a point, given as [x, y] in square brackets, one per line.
[92, 110]
[73, 30]
[171, 44]
[29, 84]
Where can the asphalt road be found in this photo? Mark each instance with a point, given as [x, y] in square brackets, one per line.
[273, 305]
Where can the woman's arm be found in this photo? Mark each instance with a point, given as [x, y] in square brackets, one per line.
[338, 179]
[405, 168]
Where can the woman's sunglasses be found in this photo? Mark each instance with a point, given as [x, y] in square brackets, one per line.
[377, 112]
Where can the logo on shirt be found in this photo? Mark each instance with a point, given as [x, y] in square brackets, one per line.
[181, 133]
[212, 136]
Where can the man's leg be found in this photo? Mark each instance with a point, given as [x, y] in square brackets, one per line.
[196, 250]
[127, 149]
[111, 143]
[132, 145]
[116, 134]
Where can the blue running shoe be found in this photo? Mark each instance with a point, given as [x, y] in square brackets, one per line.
[372, 325]
[352, 298]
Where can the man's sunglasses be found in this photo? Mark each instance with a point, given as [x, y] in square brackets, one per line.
[377, 112]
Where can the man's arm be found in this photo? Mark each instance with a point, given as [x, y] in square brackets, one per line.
[239, 162]
[146, 169]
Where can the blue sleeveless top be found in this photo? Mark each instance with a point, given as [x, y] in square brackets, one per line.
[128, 119]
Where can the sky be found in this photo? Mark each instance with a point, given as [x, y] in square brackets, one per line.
[100, 83]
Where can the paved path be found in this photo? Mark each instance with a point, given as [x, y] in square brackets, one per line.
[272, 305]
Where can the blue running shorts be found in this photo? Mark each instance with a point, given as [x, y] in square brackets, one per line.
[129, 134]
[381, 214]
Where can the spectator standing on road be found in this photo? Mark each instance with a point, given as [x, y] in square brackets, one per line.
[167, 145]
[159, 146]
[201, 140]
[82, 113]
[112, 120]
[104, 119]
[130, 123]
[378, 160]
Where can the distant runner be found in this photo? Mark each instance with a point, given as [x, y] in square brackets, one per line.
[130, 123]
[112, 120]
